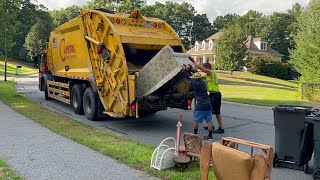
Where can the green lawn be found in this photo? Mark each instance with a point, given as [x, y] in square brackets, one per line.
[11, 68]
[132, 153]
[247, 88]
[7, 173]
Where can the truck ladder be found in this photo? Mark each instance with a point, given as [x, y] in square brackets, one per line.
[59, 91]
[110, 75]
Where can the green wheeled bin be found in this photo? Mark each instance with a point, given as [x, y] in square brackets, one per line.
[315, 120]
[293, 137]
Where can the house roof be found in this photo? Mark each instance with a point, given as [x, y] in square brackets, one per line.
[193, 51]
[250, 45]
[255, 50]
[215, 36]
[258, 39]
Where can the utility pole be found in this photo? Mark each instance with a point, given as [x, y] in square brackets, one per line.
[5, 59]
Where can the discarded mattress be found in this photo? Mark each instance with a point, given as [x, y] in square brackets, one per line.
[162, 68]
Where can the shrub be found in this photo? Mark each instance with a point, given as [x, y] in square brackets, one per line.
[266, 65]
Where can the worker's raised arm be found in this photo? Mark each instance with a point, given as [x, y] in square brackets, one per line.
[205, 70]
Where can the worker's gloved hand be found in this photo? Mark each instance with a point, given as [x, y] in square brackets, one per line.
[191, 59]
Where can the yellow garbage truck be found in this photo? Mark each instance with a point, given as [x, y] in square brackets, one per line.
[117, 65]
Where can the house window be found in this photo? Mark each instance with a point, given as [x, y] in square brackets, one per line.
[196, 47]
[203, 46]
[210, 45]
[263, 46]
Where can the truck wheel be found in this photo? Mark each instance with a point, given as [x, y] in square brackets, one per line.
[46, 94]
[77, 93]
[90, 104]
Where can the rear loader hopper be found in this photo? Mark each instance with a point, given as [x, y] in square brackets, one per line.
[116, 64]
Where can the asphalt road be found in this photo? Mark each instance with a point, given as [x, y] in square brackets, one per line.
[247, 122]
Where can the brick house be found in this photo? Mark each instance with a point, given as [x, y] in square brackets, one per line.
[203, 51]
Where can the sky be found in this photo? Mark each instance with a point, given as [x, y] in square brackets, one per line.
[212, 8]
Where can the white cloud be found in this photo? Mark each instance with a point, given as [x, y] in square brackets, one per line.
[214, 8]
[58, 4]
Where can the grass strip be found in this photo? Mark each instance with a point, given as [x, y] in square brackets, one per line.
[26, 69]
[126, 151]
[6, 173]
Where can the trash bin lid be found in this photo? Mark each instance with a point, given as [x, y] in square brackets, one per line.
[291, 108]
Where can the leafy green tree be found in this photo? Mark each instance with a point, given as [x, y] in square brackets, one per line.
[37, 37]
[123, 6]
[306, 56]
[231, 48]
[26, 17]
[224, 21]
[295, 12]
[202, 28]
[279, 32]
[64, 15]
[254, 23]
[8, 14]
[183, 19]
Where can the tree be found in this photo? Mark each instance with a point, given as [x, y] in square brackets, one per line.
[306, 56]
[182, 17]
[202, 28]
[224, 21]
[26, 17]
[254, 23]
[37, 37]
[279, 32]
[8, 14]
[231, 48]
[64, 15]
[295, 12]
[122, 6]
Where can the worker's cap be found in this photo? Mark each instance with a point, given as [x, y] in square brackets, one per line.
[196, 75]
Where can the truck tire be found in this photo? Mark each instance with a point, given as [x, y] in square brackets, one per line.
[46, 94]
[77, 93]
[90, 104]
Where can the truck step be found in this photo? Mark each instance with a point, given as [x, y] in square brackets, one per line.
[59, 98]
[59, 91]
[59, 84]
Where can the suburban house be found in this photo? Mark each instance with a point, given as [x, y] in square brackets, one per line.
[203, 51]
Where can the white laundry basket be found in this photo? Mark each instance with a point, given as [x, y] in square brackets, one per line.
[163, 156]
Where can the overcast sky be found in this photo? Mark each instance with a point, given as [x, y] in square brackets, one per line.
[212, 8]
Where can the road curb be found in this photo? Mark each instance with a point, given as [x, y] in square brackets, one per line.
[248, 105]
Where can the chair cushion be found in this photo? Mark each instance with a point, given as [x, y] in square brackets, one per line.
[230, 164]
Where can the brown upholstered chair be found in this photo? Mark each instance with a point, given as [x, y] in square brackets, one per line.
[229, 163]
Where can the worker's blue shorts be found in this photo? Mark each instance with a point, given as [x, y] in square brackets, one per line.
[199, 116]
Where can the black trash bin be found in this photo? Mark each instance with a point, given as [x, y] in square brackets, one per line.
[315, 120]
[293, 137]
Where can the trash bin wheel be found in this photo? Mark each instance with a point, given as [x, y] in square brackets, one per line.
[316, 174]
